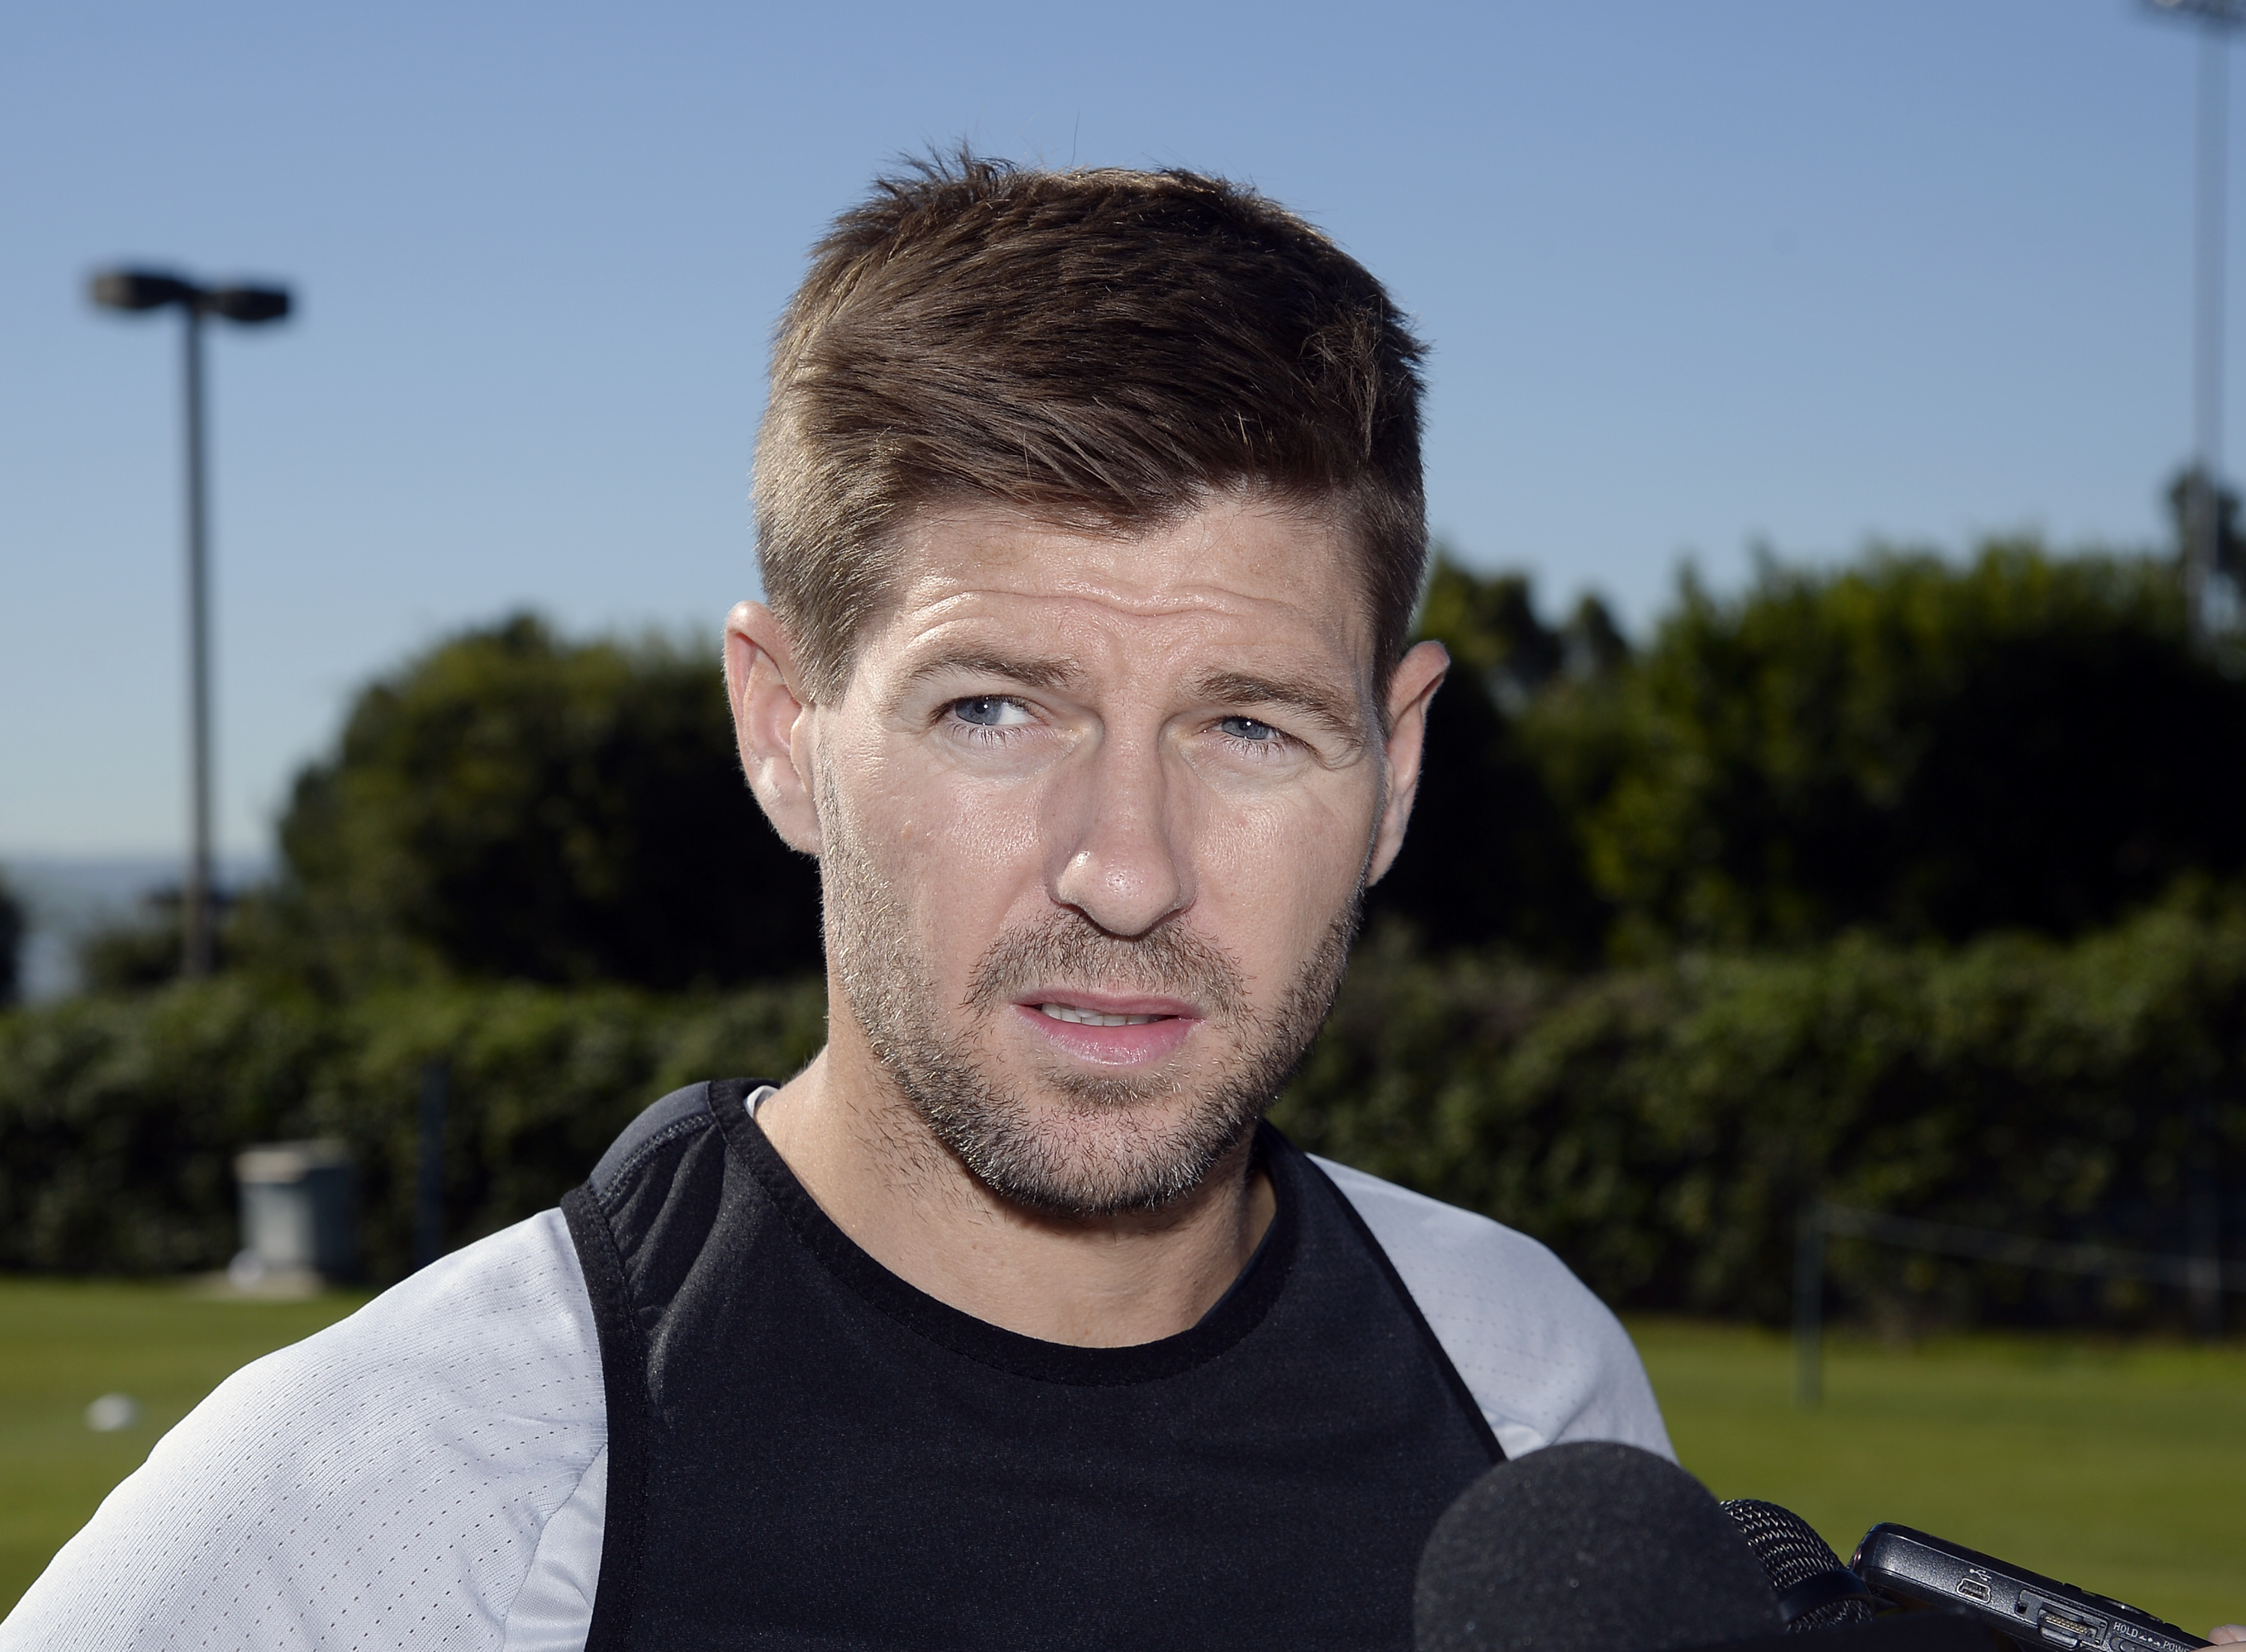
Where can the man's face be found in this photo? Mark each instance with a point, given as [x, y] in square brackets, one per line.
[1093, 816]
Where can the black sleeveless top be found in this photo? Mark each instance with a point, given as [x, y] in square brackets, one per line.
[804, 1450]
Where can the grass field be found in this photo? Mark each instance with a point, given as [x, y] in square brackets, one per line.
[65, 1343]
[2122, 1468]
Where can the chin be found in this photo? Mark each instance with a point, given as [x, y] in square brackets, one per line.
[1087, 1144]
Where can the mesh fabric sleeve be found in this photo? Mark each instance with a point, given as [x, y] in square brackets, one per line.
[1544, 1359]
[392, 1481]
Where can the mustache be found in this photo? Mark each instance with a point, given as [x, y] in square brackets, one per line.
[1065, 949]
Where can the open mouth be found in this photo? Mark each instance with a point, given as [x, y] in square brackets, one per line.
[1069, 1012]
[1109, 1029]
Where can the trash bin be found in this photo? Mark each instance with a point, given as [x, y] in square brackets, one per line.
[296, 1212]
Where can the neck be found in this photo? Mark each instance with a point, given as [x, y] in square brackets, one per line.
[864, 1154]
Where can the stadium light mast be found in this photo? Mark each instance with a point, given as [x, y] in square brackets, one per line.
[144, 290]
[2203, 523]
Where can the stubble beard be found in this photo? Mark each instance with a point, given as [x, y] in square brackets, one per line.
[1101, 1143]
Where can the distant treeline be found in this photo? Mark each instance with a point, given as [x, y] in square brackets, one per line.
[1906, 746]
[1842, 883]
[14, 921]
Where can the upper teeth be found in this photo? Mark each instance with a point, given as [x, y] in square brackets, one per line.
[1092, 1017]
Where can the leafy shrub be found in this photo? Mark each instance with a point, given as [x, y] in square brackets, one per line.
[1493, 851]
[1907, 744]
[1660, 1126]
[512, 805]
[119, 1115]
[12, 925]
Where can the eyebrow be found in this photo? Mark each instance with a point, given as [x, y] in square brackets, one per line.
[1034, 673]
[1336, 714]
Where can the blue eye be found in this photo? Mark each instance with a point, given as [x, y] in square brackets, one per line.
[989, 711]
[1247, 728]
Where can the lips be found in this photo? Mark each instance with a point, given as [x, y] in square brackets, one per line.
[1105, 1029]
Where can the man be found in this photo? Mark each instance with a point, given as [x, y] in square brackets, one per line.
[1090, 522]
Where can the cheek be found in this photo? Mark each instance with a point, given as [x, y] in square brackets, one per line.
[1274, 875]
[961, 857]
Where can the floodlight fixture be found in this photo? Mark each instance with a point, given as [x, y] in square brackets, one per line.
[146, 290]
[2201, 523]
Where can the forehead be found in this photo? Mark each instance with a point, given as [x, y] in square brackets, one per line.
[1233, 573]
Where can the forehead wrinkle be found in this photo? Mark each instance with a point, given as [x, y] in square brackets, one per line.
[1146, 598]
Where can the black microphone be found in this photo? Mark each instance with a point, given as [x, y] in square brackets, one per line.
[1815, 1590]
[1590, 1547]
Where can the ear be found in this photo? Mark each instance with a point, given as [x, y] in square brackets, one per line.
[1418, 674]
[770, 722]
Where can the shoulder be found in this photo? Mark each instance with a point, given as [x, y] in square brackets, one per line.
[1543, 1358]
[384, 1482]
[644, 1218]
[674, 1119]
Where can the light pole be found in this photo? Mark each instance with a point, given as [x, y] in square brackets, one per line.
[139, 289]
[2202, 512]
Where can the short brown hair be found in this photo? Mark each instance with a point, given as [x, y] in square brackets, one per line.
[1100, 348]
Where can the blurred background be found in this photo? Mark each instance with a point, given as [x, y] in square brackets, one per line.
[1827, 900]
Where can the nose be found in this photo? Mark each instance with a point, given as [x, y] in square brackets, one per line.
[1120, 857]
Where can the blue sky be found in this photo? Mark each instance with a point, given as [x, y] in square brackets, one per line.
[1696, 277]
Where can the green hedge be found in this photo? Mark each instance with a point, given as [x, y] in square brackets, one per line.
[1658, 1127]
[1661, 1127]
[119, 1115]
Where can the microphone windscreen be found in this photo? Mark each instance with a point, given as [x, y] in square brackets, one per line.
[1815, 1590]
[1590, 1547]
